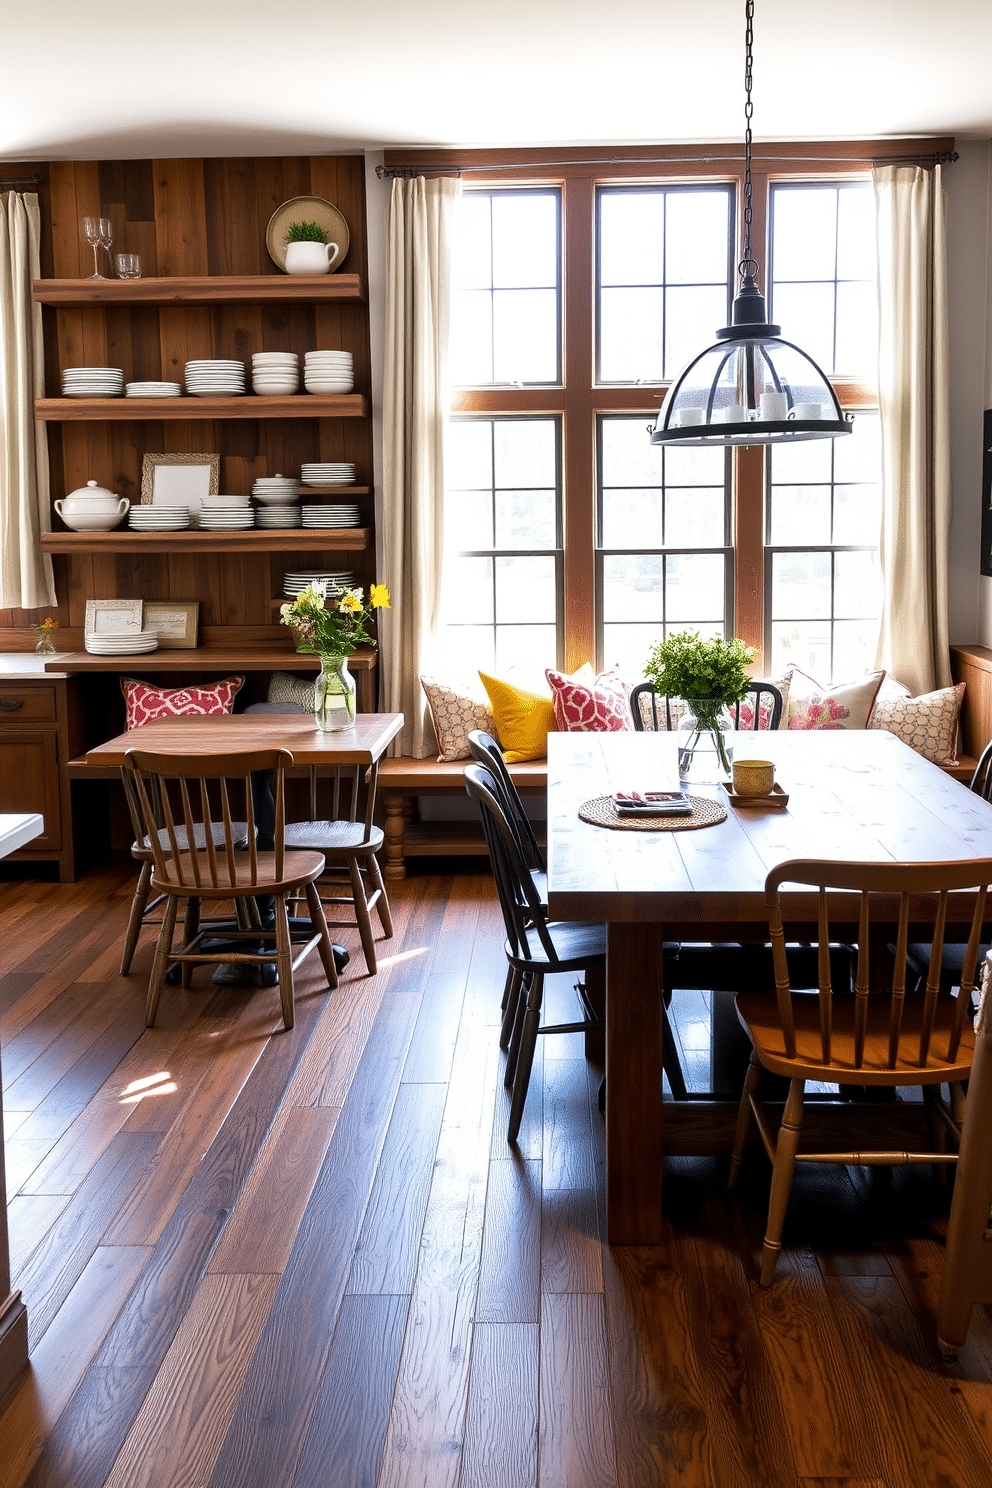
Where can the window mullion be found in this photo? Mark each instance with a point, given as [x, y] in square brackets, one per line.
[579, 506]
[749, 547]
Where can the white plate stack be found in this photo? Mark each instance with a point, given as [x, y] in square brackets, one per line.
[226, 513]
[295, 583]
[324, 473]
[279, 516]
[121, 643]
[92, 382]
[274, 490]
[206, 379]
[331, 516]
[154, 518]
[153, 390]
[328, 371]
[275, 373]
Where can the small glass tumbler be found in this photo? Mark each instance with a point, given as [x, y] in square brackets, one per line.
[128, 266]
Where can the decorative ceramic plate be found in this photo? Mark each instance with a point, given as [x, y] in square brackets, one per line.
[306, 209]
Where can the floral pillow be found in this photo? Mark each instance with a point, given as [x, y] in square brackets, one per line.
[456, 709]
[846, 706]
[765, 708]
[928, 723]
[145, 703]
[592, 704]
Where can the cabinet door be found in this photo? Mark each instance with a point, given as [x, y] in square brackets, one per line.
[29, 779]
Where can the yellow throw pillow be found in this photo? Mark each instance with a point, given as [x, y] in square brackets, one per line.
[523, 719]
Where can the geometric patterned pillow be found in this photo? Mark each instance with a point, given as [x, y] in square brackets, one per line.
[928, 724]
[285, 688]
[145, 702]
[457, 709]
[591, 705]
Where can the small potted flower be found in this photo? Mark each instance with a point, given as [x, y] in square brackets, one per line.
[708, 676]
[333, 625]
[307, 249]
[44, 644]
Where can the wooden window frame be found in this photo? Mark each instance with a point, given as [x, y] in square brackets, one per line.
[578, 401]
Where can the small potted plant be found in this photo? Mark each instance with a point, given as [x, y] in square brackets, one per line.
[708, 676]
[307, 249]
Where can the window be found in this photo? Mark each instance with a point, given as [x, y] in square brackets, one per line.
[581, 290]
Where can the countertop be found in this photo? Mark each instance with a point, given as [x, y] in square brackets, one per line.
[17, 828]
[17, 664]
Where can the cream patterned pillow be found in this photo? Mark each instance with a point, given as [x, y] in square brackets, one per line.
[848, 705]
[928, 723]
[456, 709]
[285, 688]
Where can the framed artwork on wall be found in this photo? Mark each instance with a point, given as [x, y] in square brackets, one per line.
[179, 480]
[174, 621]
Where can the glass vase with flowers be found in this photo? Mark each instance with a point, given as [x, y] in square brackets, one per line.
[708, 676]
[45, 643]
[333, 623]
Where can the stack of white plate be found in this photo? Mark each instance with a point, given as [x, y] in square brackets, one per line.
[278, 516]
[158, 518]
[92, 382]
[206, 379]
[331, 516]
[121, 643]
[153, 390]
[325, 473]
[329, 371]
[226, 513]
[295, 583]
[275, 490]
[275, 373]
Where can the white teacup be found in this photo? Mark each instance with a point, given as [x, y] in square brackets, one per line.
[807, 411]
[773, 406]
[311, 258]
[735, 414]
[685, 416]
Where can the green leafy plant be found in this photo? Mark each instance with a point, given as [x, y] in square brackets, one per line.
[333, 624]
[708, 675]
[305, 232]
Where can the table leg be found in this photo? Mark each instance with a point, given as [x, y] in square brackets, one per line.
[633, 1083]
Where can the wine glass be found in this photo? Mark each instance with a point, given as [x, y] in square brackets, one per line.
[99, 234]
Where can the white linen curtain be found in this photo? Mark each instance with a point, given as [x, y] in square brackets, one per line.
[26, 580]
[414, 410]
[913, 410]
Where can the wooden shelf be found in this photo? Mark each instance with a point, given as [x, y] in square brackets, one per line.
[135, 410]
[255, 540]
[202, 290]
[208, 659]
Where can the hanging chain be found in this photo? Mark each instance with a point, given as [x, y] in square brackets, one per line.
[748, 113]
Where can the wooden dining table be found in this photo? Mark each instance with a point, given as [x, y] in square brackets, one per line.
[852, 795]
[365, 744]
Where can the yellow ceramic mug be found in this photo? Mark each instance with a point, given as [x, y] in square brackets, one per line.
[753, 777]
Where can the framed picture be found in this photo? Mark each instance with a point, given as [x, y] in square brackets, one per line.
[179, 480]
[111, 616]
[174, 621]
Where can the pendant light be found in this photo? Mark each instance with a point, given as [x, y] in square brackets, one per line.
[750, 387]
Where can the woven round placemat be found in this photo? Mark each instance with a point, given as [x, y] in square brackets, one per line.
[601, 812]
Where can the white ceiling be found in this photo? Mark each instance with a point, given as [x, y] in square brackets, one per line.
[133, 79]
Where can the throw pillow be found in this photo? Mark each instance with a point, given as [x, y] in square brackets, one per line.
[595, 704]
[765, 706]
[285, 688]
[145, 702]
[523, 719]
[456, 709]
[928, 723]
[846, 706]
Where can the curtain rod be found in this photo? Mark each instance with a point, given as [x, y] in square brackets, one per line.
[22, 181]
[404, 172]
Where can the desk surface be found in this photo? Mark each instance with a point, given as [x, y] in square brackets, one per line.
[17, 828]
[361, 745]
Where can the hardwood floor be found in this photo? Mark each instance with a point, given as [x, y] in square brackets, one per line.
[253, 1257]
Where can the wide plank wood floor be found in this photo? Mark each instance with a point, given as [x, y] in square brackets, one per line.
[310, 1259]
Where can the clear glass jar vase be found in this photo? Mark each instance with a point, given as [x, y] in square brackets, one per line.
[705, 742]
[334, 695]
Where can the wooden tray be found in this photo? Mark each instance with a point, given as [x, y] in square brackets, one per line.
[778, 797]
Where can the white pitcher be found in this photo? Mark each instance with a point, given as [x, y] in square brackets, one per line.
[310, 258]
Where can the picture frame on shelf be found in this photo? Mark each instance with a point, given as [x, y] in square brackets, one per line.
[179, 480]
[174, 621]
[113, 616]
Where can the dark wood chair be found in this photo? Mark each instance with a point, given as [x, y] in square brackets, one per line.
[645, 699]
[202, 863]
[879, 1039]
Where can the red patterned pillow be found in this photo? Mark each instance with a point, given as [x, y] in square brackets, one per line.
[591, 705]
[145, 702]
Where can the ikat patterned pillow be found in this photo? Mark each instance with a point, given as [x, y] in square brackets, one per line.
[145, 703]
[591, 705]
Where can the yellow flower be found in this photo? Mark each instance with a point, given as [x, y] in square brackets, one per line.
[351, 602]
[379, 595]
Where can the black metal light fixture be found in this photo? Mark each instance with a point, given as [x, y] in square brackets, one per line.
[750, 387]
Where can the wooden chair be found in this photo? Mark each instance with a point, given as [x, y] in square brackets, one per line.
[348, 841]
[878, 1039]
[199, 861]
[756, 690]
